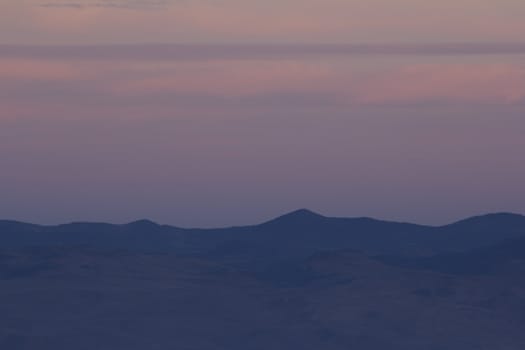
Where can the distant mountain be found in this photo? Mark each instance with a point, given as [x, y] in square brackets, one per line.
[298, 217]
[484, 230]
[141, 235]
[300, 281]
[294, 235]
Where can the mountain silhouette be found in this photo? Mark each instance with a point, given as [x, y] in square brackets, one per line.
[299, 281]
[298, 217]
[296, 234]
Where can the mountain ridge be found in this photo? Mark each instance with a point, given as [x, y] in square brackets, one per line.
[296, 234]
[304, 281]
[298, 213]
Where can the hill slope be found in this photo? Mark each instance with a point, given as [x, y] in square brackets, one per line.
[297, 234]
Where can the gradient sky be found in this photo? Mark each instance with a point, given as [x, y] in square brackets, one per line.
[224, 112]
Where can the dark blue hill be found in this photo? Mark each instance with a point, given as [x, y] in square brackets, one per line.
[294, 235]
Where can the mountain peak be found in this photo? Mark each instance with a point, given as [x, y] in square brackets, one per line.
[303, 212]
[297, 217]
[143, 223]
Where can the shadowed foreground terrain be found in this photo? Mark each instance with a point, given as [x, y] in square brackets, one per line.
[301, 281]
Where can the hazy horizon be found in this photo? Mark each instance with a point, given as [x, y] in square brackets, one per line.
[260, 221]
[208, 114]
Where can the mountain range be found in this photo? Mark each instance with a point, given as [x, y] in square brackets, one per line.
[296, 234]
[300, 281]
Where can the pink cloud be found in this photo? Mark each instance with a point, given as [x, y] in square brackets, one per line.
[452, 83]
[259, 21]
[28, 69]
[136, 89]
[234, 78]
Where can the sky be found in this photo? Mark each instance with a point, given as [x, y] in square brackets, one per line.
[206, 113]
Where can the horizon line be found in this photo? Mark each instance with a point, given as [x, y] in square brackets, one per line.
[311, 212]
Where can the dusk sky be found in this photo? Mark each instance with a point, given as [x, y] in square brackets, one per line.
[204, 113]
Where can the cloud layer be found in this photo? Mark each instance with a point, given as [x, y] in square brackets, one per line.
[174, 52]
[237, 21]
[109, 4]
[256, 74]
